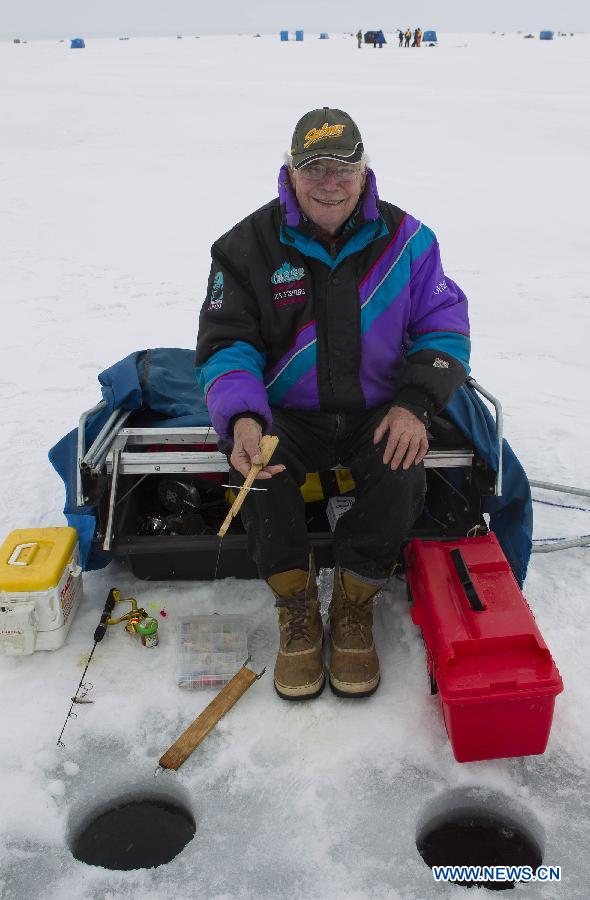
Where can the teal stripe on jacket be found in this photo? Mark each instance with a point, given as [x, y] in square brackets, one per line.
[457, 345]
[294, 370]
[240, 357]
[396, 278]
[421, 242]
[369, 232]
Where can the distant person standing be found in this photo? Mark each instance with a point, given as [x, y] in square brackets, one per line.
[400, 35]
[381, 39]
[408, 37]
[359, 37]
[418, 36]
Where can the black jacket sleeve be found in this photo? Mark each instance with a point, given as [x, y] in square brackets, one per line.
[429, 381]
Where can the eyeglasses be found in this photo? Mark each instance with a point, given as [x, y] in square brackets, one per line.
[318, 170]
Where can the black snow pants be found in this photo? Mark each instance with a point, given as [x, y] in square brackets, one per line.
[367, 537]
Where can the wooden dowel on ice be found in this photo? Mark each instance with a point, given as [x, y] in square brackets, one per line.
[190, 739]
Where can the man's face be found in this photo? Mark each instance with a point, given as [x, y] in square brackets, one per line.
[330, 199]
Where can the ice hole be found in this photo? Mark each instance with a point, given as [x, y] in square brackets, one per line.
[133, 830]
[479, 827]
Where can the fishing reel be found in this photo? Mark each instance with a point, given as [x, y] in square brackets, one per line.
[179, 510]
[178, 497]
[137, 619]
[133, 617]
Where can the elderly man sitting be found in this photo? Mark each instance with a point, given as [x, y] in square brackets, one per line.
[329, 322]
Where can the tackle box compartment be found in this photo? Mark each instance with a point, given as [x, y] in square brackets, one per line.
[164, 557]
[156, 466]
[494, 674]
[210, 649]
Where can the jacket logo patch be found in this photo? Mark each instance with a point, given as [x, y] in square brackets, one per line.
[288, 296]
[216, 298]
[287, 273]
[318, 134]
[440, 363]
[441, 287]
[288, 286]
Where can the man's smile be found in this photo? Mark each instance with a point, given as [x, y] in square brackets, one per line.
[329, 202]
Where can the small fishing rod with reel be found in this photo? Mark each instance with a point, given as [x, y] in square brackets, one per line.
[138, 622]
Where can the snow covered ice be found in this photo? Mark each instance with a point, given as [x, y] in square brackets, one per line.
[121, 164]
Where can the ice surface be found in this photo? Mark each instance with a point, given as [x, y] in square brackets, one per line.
[122, 163]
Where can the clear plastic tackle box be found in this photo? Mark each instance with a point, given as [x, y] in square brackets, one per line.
[210, 649]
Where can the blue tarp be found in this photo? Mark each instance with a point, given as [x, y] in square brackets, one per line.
[77, 44]
[429, 37]
[161, 386]
[511, 515]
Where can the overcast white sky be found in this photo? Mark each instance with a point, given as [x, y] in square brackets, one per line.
[66, 18]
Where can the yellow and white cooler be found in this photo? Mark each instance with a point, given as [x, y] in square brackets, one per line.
[40, 588]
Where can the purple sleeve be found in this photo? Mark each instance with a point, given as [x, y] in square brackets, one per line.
[438, 304]
[236, 392]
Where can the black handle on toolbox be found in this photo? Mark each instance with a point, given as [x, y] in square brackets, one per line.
[101, 628]
[475, 601]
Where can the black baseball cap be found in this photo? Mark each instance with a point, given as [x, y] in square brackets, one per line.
[326, 134]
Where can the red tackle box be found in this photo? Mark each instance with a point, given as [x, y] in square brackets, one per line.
[496, 679]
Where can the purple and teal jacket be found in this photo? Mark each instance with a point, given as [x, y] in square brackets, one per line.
[288, 322]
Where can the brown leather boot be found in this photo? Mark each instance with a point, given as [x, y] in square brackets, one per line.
[299, 669]
[354, 664]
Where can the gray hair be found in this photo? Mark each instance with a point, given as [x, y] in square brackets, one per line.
[364, 161]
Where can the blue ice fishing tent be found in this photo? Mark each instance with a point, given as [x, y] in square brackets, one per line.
[373, 37]
[429, 37]
[284, 35]
[324, 36]
[298, 35]
[77, 44]
[546, 36]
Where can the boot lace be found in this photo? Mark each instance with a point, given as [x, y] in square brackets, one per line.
[296, 627]
[356, 620]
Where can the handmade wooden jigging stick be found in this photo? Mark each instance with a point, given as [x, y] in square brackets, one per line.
[268, 445]
[190, 739]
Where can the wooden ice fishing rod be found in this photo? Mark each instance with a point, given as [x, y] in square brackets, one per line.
[190, 739]
[268, 445]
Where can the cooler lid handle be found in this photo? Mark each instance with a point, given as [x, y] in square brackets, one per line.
[475, 601]
[22, 548]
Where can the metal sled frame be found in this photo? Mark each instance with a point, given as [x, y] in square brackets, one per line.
[115, 452]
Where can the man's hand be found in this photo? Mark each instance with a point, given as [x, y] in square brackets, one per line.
[407, 439]
[246, 452]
